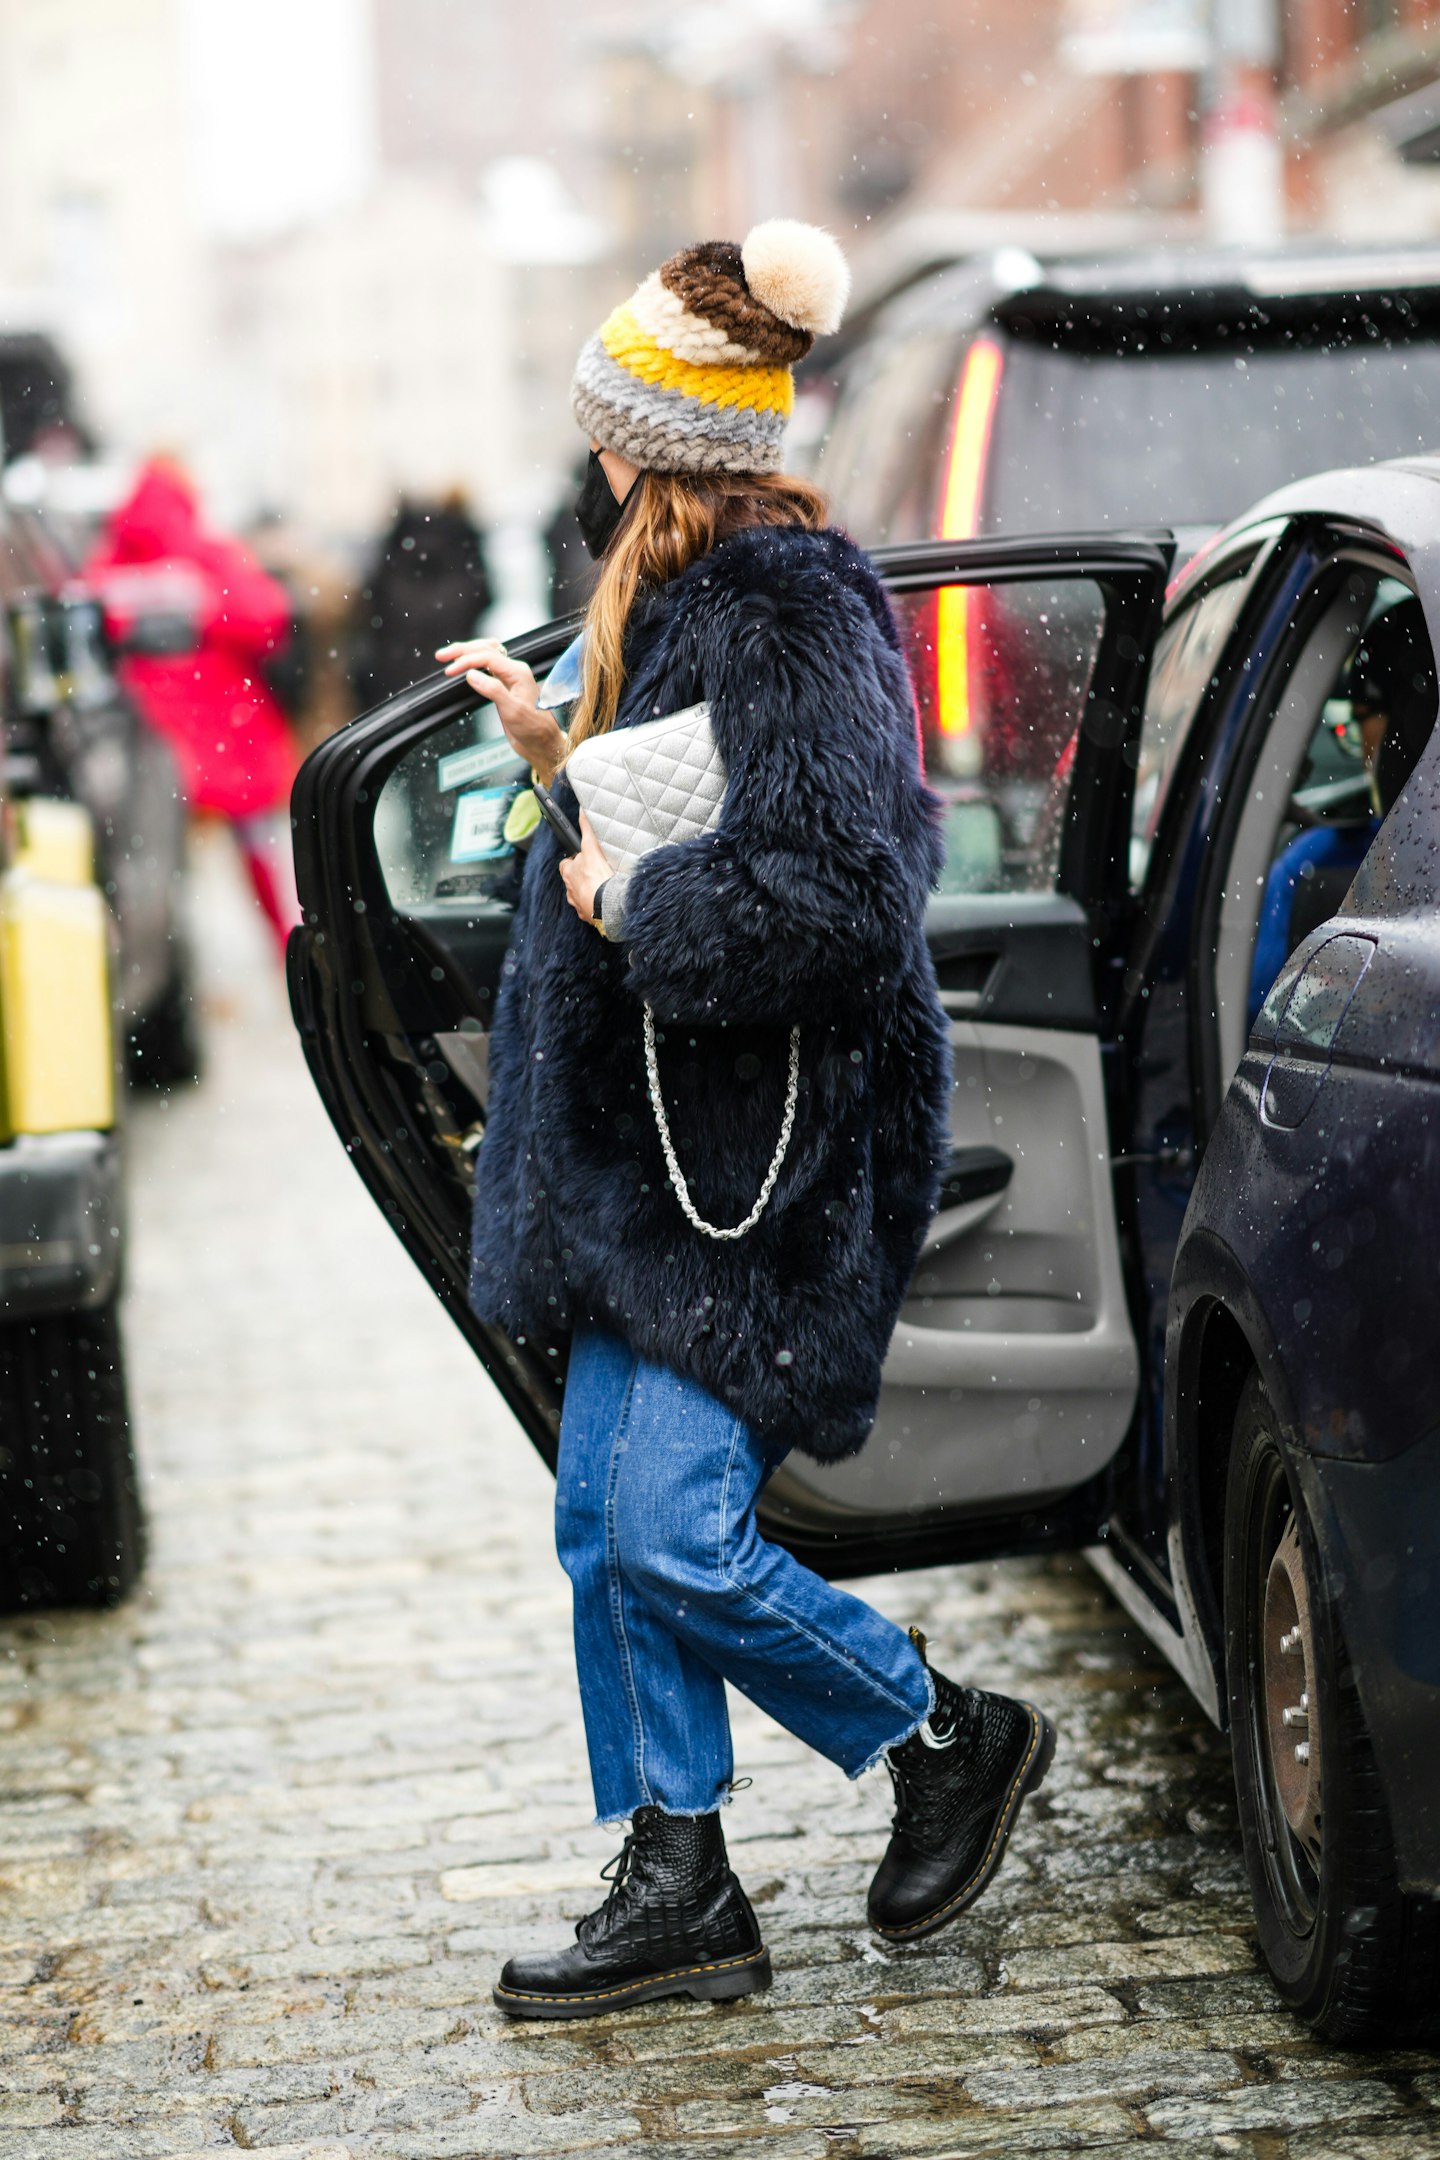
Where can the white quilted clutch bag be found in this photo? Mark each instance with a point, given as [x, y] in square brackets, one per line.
[649, 786]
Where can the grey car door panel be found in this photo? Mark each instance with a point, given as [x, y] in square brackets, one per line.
[1013, 1370]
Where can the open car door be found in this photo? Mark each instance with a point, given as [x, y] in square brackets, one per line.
[1013, 1374]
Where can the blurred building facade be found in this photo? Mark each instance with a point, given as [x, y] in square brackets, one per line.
[421, 339]
[1360, 116]
[530, 162]
[99, 241]
[417, 342]
[1025, 114]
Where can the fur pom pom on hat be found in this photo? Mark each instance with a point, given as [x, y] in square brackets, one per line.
[799, 273]
[692, 373]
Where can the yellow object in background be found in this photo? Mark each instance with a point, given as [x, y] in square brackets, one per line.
[54, 841]
[56, 1052]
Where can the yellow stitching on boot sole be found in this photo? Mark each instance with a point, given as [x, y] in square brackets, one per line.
[679, 1972]
[916, 1927]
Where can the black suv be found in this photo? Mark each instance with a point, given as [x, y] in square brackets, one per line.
[1001, 395]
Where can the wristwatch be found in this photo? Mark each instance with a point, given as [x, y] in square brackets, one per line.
[597, 906]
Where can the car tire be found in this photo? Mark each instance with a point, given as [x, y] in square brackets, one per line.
[1347, 1950]
[162, 1046]
[71, 1525]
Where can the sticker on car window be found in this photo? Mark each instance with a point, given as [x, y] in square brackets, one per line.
[478, 833]
[463, 766]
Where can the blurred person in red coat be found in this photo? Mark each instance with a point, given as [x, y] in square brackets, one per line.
[198, 619]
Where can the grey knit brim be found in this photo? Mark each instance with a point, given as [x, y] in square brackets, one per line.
[665, 431]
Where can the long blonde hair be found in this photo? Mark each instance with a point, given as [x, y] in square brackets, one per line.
[670, 521]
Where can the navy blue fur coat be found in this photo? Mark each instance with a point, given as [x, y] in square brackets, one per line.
[805, 905]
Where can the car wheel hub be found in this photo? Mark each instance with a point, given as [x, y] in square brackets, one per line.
[1291, 1726]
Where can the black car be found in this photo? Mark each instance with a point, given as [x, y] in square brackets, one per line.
[1176, 1309]
[1006, 395]
[71, 1526]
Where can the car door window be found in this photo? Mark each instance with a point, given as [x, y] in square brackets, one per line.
[1002, 677]
[450, 829]
[440, 825]
[1372, 727]
[1186, 657]
[1313, 794]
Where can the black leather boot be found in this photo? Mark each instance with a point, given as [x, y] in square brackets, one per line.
[959, 1782]
[676, 1922]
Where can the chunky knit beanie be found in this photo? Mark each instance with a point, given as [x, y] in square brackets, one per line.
[692, 374]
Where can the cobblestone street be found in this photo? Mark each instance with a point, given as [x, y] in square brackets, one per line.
[267, 1833]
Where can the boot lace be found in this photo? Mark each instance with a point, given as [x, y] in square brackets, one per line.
[925, 1782]
[616, 1872]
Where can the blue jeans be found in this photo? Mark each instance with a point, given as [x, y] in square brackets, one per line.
[677, 1592]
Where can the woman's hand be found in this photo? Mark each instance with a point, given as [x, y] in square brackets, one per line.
[510, 685]
[584, 872]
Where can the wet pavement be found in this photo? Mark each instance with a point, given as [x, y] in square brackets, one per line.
[267, 1833]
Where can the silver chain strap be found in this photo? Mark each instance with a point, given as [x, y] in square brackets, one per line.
[677, 1176]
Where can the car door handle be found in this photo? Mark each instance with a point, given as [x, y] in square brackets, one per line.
[966, 978]
[974, 1173]
[972, 1184]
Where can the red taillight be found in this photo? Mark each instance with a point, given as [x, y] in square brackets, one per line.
[970, 439]
[956, 615]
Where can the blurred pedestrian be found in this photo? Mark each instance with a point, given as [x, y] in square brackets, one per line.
[572, 571]
[428, 578]
[309, 675]
[290, 668]
[768, 976]
[198, 621]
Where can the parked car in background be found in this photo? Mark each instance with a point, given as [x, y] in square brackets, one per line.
[71, 1531]
[1003, 395]
[71, 732]
[1177, 1306]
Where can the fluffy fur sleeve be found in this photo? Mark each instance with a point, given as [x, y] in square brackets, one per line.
[810, 891]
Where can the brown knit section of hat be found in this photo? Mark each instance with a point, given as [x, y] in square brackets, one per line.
[709, 280]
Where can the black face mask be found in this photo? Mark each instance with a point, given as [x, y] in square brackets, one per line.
[597, 513]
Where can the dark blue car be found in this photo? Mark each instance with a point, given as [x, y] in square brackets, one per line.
[1178, 1307]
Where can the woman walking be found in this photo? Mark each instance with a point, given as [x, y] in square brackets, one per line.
[767, 986]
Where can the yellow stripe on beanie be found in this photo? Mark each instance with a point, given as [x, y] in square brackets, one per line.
[757, 389]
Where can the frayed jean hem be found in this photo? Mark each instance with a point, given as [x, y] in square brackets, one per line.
[900, 1738]
[617, 1822]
